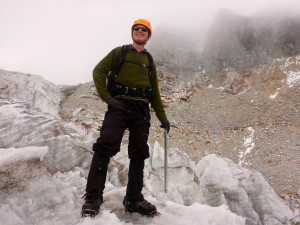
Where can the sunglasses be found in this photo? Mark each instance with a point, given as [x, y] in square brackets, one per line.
[137, 28]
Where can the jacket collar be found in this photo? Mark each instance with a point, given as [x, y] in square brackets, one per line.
[131, 47]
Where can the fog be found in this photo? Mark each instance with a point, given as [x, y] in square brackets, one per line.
[63, 40]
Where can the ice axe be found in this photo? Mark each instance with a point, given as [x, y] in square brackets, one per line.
[166, 157]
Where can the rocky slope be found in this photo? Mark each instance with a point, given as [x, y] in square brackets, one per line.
[238, 44]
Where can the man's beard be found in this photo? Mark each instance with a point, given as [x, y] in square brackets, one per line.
[139, 42]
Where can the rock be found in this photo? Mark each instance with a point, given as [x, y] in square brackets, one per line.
[3, 86]
[77, 111]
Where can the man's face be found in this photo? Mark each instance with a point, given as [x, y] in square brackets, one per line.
[139, 35]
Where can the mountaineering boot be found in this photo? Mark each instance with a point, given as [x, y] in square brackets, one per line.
[134, 200]
[142, 207]
[91, 205]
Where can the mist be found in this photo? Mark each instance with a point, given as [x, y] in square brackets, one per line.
[64, 40]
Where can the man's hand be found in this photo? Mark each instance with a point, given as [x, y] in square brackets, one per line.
[115, 103]
[165, 124]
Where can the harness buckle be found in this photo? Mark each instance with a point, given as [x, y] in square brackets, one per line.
[126, 90]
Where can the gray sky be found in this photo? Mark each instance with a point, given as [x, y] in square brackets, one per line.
[63, 40]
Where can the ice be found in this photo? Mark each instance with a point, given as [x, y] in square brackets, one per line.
[176, 158]
[218, 190]
[33, 89]
[55, 199]
[232, 195]
[245, 191]
[8, 155]
[23, 126]
[184, 187]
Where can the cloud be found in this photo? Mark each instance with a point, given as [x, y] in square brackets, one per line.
[63, 40]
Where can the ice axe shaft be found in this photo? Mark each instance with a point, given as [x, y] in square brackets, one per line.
[166, 159]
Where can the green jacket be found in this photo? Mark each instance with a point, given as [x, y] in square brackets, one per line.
[130, 75]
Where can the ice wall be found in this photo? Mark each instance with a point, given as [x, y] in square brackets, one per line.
[33, 89]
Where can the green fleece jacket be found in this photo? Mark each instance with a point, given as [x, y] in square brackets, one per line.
[130, 75]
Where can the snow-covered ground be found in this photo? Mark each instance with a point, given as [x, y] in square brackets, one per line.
[55, 199]
[290, 68]
[215, 191]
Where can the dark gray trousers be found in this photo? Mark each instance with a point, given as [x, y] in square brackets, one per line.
[108, 145]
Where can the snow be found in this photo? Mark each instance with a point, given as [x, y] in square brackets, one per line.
[55, 199]
[293, 77]
[290, 68]
[219, 88]
[219, 192]
[273, 95]
[248, 144]
[15, 154]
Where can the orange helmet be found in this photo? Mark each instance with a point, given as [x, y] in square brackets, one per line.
[145, 23]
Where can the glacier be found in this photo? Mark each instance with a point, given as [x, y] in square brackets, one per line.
[44, 163]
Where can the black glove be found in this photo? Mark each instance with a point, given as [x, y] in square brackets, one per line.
[114, 103]
[165, 124]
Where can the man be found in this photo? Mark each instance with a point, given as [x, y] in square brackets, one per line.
[131, 86]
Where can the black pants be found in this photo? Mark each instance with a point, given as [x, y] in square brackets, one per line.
[114, 125]
[108, 145]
